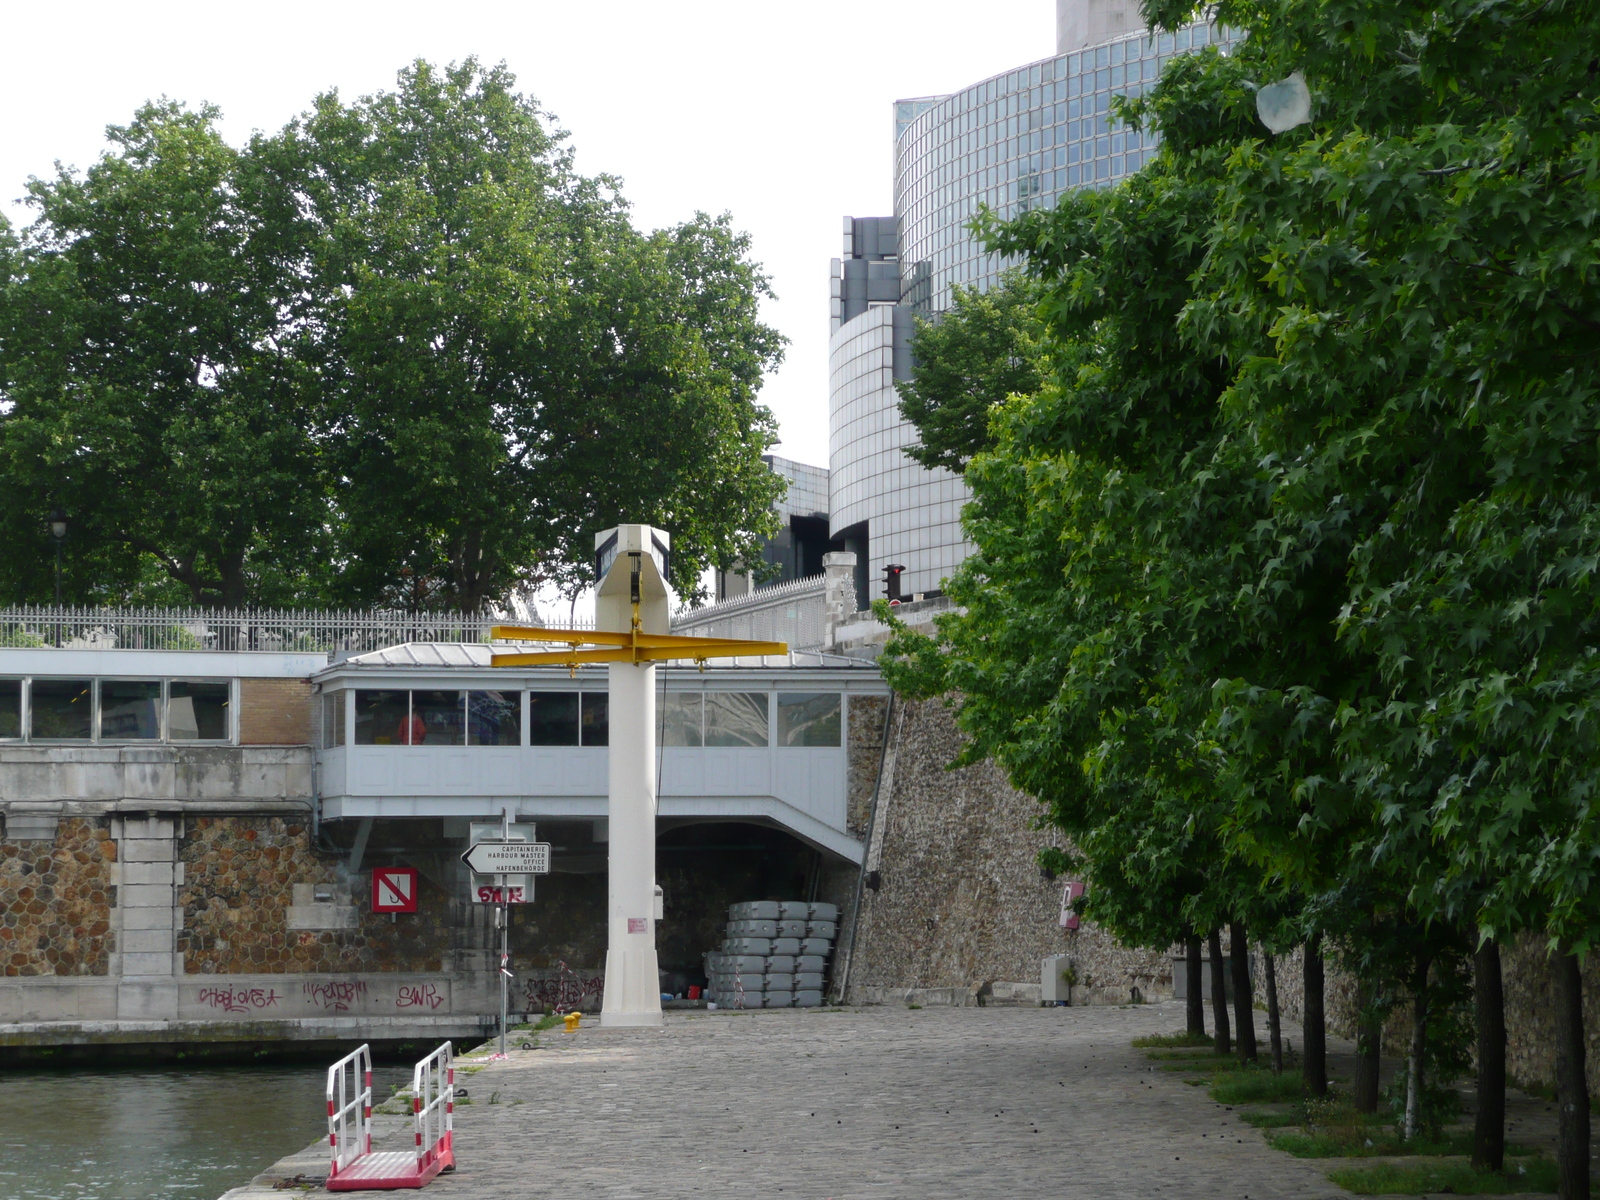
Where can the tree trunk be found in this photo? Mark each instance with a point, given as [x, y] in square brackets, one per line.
[1369, 1050]
[1419, 1044]
[1220, 1042]
[1194, 1001]
[1314, 1029]
[1244, 1017]
[1572, 1090]
[1489, 1128]
[1274, 1027]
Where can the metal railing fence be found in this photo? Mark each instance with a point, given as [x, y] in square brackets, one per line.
[321, 631]
[793, 612]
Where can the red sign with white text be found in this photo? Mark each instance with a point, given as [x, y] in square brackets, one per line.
[394, 889]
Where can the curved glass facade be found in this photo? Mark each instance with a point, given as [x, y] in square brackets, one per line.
[1016, 142]
[1013, 142]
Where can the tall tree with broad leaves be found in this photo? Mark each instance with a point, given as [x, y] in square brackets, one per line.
[968, 360]
[400, 352]
[147, 388]
[1416, 271]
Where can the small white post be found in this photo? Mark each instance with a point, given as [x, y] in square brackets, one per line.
[503, 912]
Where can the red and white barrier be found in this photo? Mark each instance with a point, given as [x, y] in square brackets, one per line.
[355, 1167]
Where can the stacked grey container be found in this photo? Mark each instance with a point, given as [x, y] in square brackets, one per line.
[775, 954]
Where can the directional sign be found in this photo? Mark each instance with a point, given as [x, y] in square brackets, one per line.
[394, 889]
[508, 858]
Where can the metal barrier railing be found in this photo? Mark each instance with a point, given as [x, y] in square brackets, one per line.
[433, 1107]
[350, 1109]
[433, 1104]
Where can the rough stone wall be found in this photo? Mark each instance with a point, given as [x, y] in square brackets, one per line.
[1530, 1015]
[57, 920]
[865, 736]
[238, 880]
[961, 900]
[275, 712]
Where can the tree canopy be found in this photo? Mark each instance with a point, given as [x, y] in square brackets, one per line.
[399, 352]
[1297, 535]
[970, 359]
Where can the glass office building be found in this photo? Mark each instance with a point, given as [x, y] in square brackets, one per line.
[1013, 142]
[1016, 142]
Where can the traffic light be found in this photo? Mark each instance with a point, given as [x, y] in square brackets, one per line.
[891, 582]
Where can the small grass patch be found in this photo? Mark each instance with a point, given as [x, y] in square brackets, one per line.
[1278, 1119]
[1455, 1178]
[1256, 1086]
[1354, 1141]
[548, 1021]
[1181, 1055]
[1169, 1040]
[1210, 1064]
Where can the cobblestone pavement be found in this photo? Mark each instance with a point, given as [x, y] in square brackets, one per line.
[866, 1103]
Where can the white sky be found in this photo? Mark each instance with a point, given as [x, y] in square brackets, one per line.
[780, 115]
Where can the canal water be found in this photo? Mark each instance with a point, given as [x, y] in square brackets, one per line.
[173, 1133]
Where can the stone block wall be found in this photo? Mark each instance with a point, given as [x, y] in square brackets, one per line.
[865, 733]
[57, 920]
[1530, 1015]
[275, 712]
[239, 877]
[961, 902]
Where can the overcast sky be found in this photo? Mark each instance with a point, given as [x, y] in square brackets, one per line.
[778, 114]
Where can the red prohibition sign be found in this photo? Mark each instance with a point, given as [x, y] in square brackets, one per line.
[394, 889]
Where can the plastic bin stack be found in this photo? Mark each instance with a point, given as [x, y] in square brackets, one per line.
[775, 954]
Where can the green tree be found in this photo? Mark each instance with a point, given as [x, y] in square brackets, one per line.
[513, 365]
[400, 352]
[1416, 273]
[146, 390]
[968, 361]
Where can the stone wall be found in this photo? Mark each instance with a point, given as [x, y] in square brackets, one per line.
[961, 902]
[865, 734]
[238, 887]
[61, 892]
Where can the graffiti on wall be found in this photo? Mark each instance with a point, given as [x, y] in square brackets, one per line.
[419, 995]
[238, 999]
[337, 995]
[564, 991]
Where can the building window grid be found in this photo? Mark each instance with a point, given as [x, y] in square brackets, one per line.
[118, 710]
[1069, 142]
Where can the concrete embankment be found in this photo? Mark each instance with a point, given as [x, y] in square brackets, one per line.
[103, 1043]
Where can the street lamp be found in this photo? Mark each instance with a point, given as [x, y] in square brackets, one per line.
[58, 531]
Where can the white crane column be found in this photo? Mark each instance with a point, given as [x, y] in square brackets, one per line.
[633, 983]
[631, 564]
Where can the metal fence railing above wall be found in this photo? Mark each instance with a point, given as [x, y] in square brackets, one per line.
[286, 630]
[793, 612]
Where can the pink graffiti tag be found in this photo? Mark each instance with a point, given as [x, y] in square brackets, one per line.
[338, 995]
[238, 999]
[420, 995]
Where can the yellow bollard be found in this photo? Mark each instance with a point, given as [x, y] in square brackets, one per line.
[572, 1019]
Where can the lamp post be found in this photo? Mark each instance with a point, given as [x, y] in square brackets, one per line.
[58, 531]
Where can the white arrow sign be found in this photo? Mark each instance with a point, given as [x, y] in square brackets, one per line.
[508, 858]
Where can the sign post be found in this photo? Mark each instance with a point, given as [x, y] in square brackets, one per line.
[630, 635]
[503, 860]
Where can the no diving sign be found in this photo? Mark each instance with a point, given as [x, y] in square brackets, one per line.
[394, 889]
